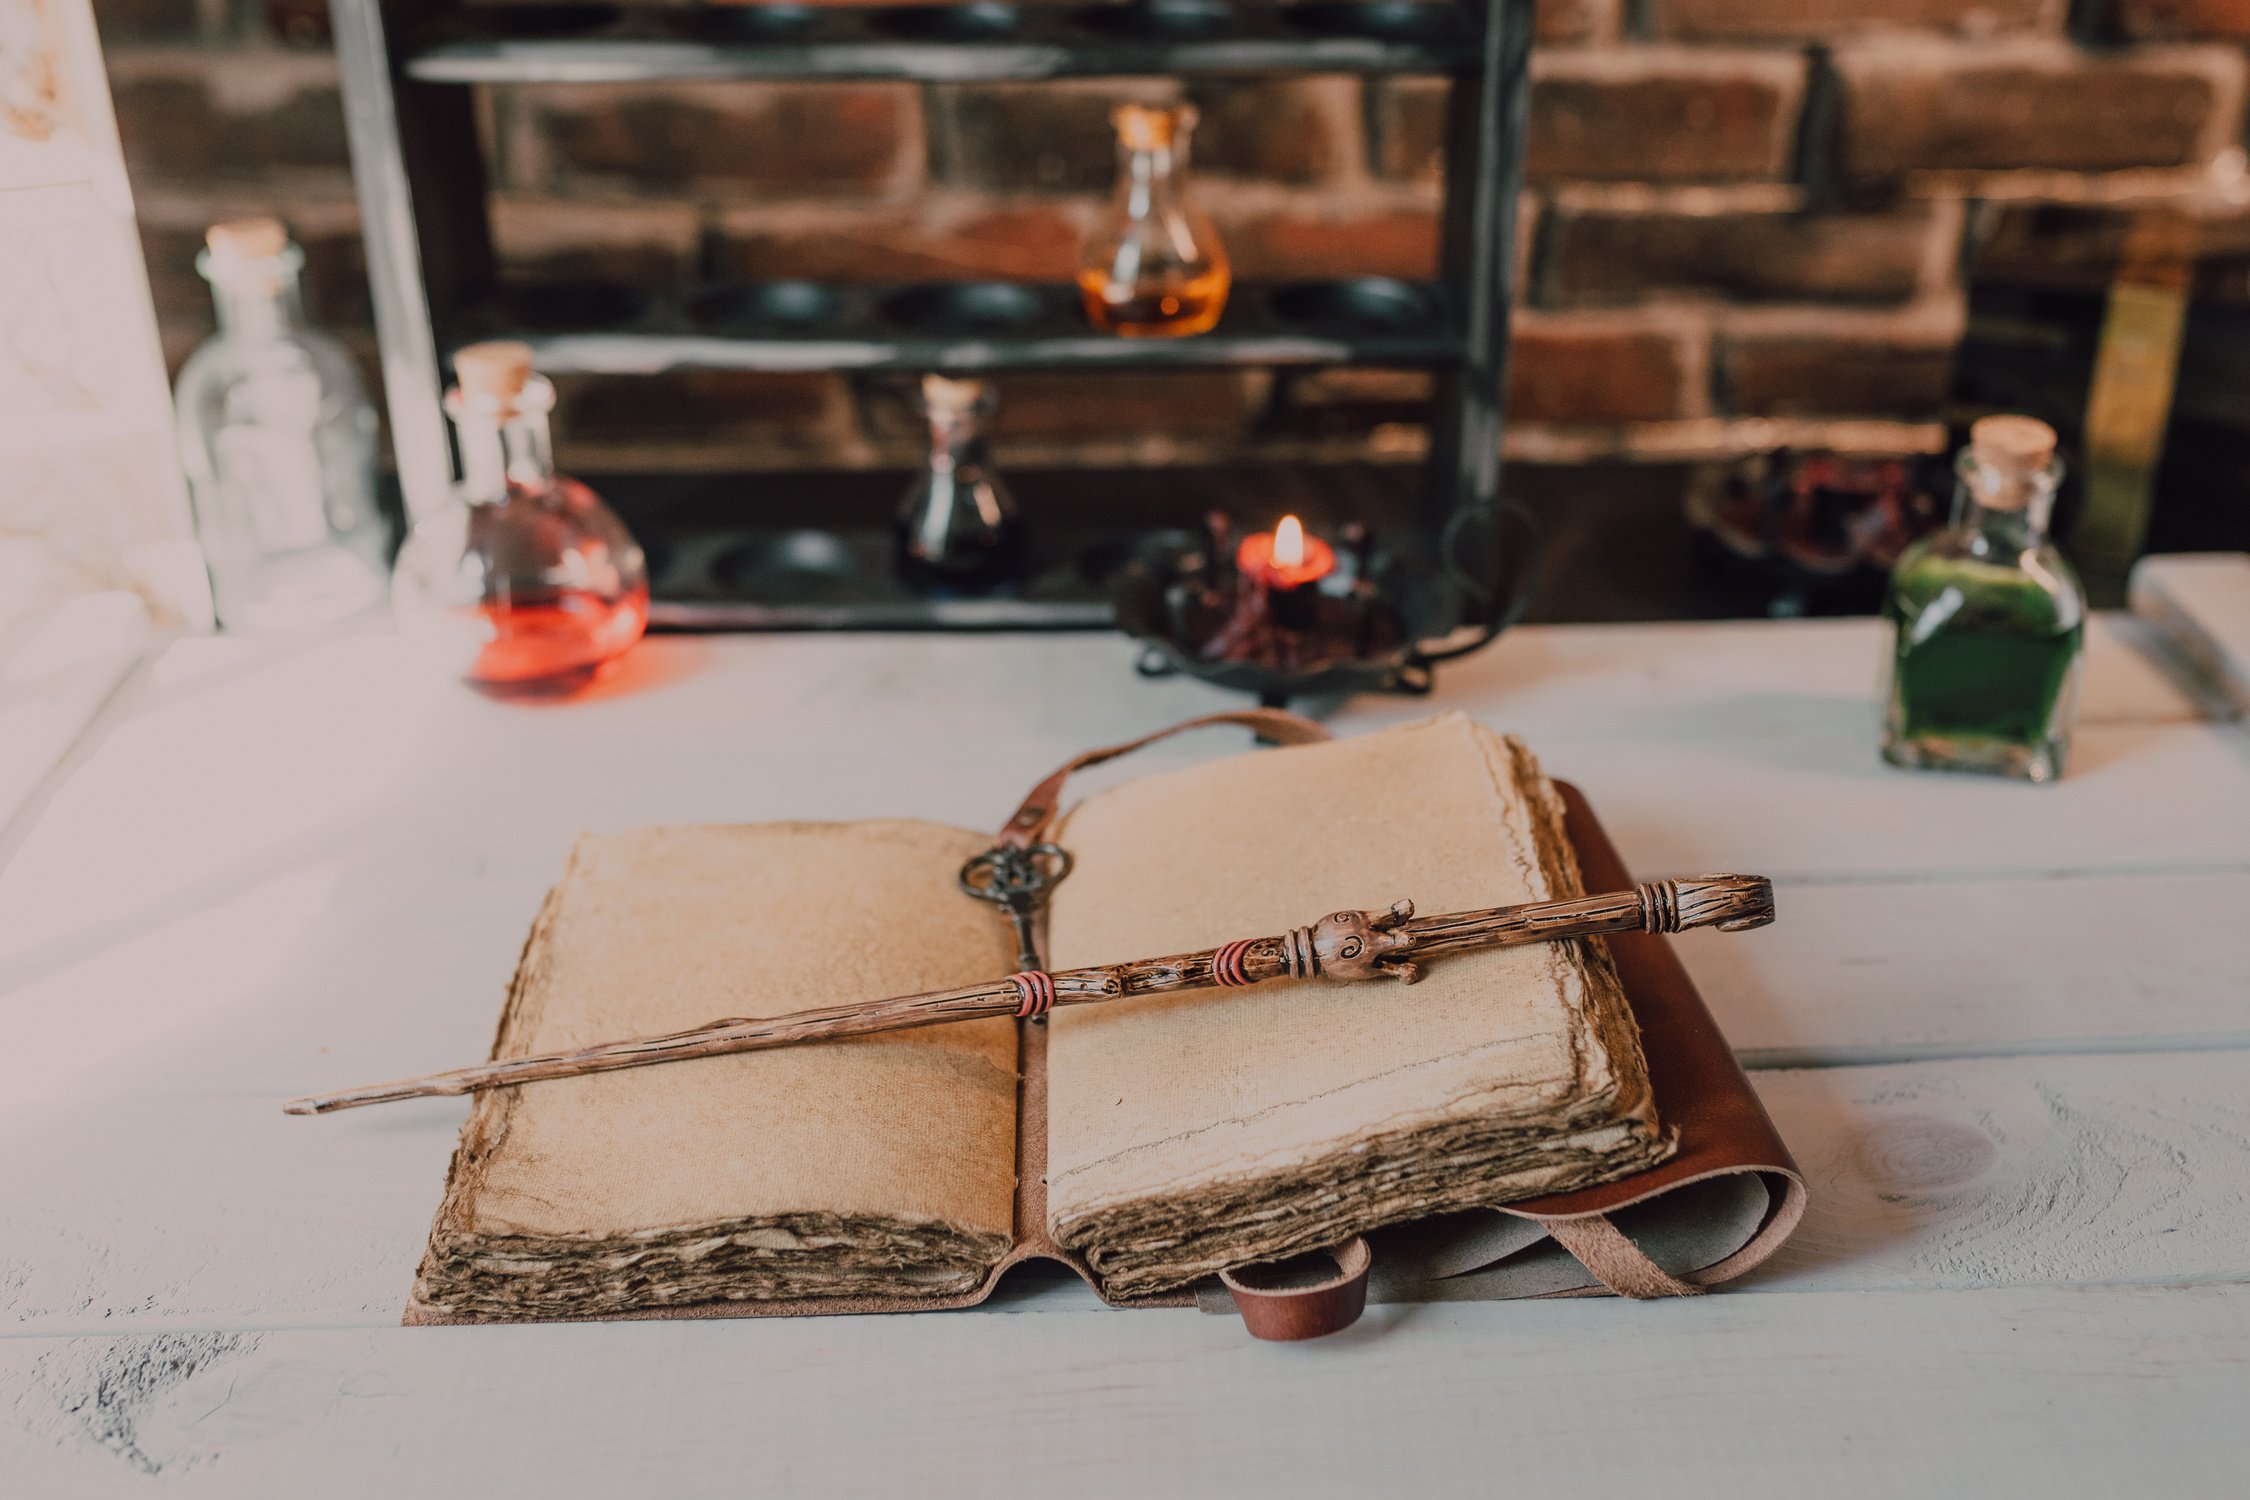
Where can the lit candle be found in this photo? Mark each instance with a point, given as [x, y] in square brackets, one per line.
[1285, 557]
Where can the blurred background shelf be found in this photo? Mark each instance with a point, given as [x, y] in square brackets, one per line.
[980, 42]
[412, 71]
[954, 326]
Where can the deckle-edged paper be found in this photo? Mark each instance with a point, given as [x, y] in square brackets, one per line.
[1193, 1132]
[882, 1164]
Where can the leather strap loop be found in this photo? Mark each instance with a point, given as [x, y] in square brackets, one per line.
[1032, 819]
[1284, 1314]
[1615, 1260]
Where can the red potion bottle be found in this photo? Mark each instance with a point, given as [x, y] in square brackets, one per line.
[525, 584]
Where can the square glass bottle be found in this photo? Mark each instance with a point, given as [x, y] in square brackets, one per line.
[1990, 619]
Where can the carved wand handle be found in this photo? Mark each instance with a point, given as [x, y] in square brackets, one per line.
[1343, 945]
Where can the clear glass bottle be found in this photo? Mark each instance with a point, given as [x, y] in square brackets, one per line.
[278, 440]
[1155, 268]
[958, 532]
[1990, 619]
[525, 584]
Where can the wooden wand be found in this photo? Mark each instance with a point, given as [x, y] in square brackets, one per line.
[1345, 945]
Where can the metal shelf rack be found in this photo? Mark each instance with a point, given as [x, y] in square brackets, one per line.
[405, 64]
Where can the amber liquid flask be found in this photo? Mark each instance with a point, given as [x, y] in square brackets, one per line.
[1156, 268]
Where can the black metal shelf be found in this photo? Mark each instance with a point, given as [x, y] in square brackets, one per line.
[984, 41]
[436, 279]
[958, 326]
[813, 550]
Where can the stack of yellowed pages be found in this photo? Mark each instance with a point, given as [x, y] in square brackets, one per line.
[1151, 1142]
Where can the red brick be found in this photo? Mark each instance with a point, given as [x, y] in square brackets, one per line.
[817, 139]
[2032, 105]
[1043, 409]
[1743, 20]
[2083, 247]
[1629, 114]
[1114, 404]
[557, 239]
[944, 237]
[1576, 22]
[1294, 130]
[2184, 18]
[327, 230]
[1664, 114]
[1410, 128]
[1353, 399]
[1602, 254]
[1295, 240]
[1603, 368]
[702, 409]
[1039, 137]
[217, 116]
[146, 20]
[1817, 363]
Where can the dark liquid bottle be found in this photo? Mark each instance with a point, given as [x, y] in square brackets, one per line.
[958, 533]
[1990, 620]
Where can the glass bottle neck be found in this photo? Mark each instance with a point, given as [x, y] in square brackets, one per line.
[500, 454]
[257, 309]
[2003, 510]
[958, 444]
[1148, 176]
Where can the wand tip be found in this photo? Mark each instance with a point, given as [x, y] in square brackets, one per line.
[305, 1106]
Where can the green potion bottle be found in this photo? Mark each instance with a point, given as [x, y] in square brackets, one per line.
[1991, 620]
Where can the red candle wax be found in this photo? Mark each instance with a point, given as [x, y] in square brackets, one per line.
[1285, 557]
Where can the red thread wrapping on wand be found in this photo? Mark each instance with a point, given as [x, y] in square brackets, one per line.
[1037, 987]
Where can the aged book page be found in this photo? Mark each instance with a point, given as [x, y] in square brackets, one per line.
[877, 1166]
[1190, 1132]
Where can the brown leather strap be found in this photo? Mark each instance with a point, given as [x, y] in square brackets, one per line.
[1286, 1313]
[1033, 818]
[1615, 1260]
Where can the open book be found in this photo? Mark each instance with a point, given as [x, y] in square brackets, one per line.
[1150, 1142]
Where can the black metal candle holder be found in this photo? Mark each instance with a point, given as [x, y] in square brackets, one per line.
[1380, 623]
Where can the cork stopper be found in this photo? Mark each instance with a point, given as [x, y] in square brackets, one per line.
[943, 396]
[2016, 444]
[2008, 460]
[237, 241]
[1150, 127]
[493, 374]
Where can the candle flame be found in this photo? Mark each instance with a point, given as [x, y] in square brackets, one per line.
[1289, 543]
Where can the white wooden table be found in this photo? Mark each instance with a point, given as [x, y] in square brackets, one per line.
[2005, 1029]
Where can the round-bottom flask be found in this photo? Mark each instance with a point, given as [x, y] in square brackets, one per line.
[526, 584]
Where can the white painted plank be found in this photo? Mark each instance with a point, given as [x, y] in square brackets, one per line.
[2199, 604]
[54, 678]
[1795, 790]
[1548, 677]
[2048, 1393]
[340, 765]
[208, 1211]
[1875, 973]
[2017, 1171]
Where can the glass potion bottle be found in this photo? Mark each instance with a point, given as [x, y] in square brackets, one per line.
[525, 583]
[278, 440]
[958, 532]
[1990, 619]
[1155, 268]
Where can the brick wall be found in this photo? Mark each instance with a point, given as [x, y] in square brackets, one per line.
[1744, 224]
